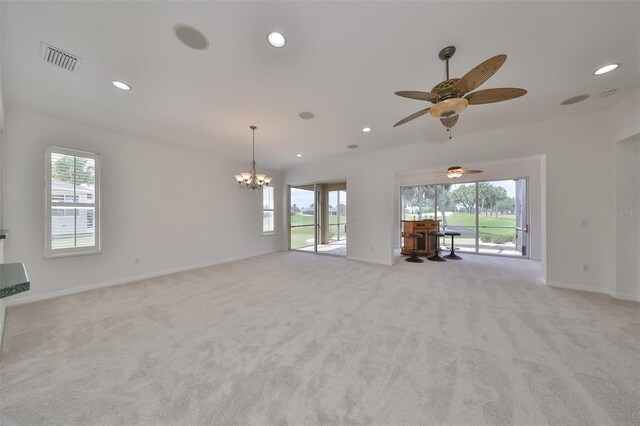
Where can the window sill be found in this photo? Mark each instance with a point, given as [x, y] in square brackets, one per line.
[77, 253]
[266, 234]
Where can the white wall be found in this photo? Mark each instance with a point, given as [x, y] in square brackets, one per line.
[171, 208]
[2, 302]
[627, 217]
[624, 117]
[624, 127]
[576, 170]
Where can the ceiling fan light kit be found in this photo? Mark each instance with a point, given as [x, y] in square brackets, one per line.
[457, 171]
[449, 107]
[452, 96]
[449, 122]
[454, 172]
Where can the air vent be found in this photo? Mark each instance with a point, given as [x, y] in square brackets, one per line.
[59, 57]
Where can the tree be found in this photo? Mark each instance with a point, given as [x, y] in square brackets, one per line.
[429, 197]
[498, 194]
[443, 198]
[506, 206]
[63, 169]
[418, 198]
[484, 195]
[342, 209]
[409, 198]
[465, 196]
[295, 209]
[489, 196]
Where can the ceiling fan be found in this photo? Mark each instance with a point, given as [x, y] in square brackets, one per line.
[457, 171]
[452, 96]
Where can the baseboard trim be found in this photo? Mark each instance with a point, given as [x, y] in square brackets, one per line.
[627, 296]
[568, 286]
[377, 262]
[3, 310]
[616, 295]
[125, 280]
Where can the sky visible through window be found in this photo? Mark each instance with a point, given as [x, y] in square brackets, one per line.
[304, 199]
[301, 198]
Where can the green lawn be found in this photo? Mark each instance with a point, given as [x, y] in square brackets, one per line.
[301, 219]
[307, 219]
[303, 236]
[67, 241]
[469, 219]
[504, 224]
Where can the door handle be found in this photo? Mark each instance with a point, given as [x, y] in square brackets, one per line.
[526, 228]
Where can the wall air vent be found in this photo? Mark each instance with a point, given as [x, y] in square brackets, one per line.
[59, 57]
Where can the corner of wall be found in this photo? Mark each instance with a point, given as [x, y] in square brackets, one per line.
[1, 125]
[627, 296]
[622, 117]
[569, 286]
[3, 307]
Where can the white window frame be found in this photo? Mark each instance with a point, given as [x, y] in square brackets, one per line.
[272, 210]
[73, 251]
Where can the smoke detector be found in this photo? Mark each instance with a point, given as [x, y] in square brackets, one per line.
[59, 57]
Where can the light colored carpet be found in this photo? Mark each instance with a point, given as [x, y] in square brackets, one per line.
[296, 338]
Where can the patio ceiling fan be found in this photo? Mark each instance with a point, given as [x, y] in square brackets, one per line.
[452, 96]
[457, 171]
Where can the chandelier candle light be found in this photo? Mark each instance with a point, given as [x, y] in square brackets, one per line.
[253, 180]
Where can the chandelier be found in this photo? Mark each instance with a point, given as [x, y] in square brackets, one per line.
[253, 180]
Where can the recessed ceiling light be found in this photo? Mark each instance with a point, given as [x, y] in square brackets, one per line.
[276, 39]
[191, 37]
[353, 146]
[366, 129]
[306, 115]
[608, 92]
[120, 85]
[606, 69]
[574, 100]
[298, 155]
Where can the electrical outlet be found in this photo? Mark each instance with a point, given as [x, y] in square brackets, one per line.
[585, 268]
[137, 261]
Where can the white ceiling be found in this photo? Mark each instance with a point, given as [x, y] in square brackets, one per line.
[342, 61]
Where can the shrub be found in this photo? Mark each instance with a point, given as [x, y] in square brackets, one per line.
[497, 238]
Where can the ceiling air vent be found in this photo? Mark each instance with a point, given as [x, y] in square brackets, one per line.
[59, 58]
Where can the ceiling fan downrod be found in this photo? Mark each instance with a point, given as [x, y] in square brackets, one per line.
[446, 54]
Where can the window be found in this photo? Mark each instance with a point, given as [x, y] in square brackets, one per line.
[267, 210]
[72, 202]
[489, 215]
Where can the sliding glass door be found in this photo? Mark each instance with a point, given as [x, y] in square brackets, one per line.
[302, 219]
[497, 218]
[457, 213]
[522, 217]
[318, 218]
[337, 227]
[491, 216]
